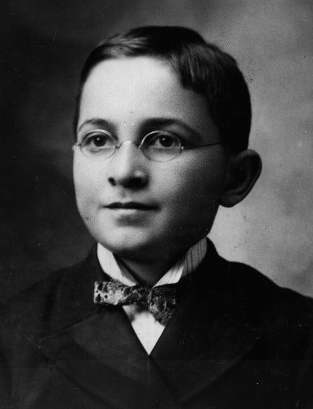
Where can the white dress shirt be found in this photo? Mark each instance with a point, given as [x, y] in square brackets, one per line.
[146, 327]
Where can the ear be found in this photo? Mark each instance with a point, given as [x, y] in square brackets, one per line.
[243, 171]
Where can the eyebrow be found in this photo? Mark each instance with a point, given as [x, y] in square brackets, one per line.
[167, 122]
[99, 122]
[148, 123]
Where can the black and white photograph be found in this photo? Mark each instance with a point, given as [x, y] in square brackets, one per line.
[156, 226]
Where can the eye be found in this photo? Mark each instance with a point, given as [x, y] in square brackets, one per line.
[97, 140]
[163, 140]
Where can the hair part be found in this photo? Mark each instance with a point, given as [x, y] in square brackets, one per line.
[201, 66]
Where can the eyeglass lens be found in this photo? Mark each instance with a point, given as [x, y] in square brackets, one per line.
[156, 145]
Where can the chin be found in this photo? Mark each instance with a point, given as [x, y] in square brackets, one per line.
[127, 245]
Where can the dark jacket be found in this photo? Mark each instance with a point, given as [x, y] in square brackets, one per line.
[236, 340]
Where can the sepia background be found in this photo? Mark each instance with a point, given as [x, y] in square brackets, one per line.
[44, 45]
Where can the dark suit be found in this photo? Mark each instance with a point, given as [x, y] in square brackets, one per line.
[236, 340]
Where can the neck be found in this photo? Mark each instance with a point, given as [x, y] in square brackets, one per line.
[149, 272]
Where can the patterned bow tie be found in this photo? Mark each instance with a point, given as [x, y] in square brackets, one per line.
[159, 301]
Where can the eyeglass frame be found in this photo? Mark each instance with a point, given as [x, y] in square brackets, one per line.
[139, 146]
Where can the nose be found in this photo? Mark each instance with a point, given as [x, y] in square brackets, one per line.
[127, 168]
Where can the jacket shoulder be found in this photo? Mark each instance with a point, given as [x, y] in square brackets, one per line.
[269, 300]
[35, 307]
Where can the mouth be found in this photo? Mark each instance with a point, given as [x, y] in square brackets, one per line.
[130, 206]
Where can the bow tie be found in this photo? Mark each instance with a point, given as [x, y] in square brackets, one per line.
[159, 301]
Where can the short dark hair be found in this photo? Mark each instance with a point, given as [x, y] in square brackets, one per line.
[201, 66]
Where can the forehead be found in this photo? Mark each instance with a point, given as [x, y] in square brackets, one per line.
[134, 89]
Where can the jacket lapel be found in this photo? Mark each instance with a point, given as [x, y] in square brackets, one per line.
[97, 350]
[210, 331]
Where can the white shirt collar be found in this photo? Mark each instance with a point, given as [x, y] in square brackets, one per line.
[186, 265]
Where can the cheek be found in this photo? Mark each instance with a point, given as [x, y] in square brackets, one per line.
[193, 195]
[195, 185]
[85, 183]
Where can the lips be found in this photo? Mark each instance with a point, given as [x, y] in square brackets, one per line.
[130, 205]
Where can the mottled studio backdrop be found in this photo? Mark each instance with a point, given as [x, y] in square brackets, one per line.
[44, 44]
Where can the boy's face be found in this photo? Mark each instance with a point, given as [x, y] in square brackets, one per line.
[130, 97]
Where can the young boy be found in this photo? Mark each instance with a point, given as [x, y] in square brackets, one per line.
[154, 317]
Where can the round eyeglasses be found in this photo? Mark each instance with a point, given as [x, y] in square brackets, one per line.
[158, 146]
